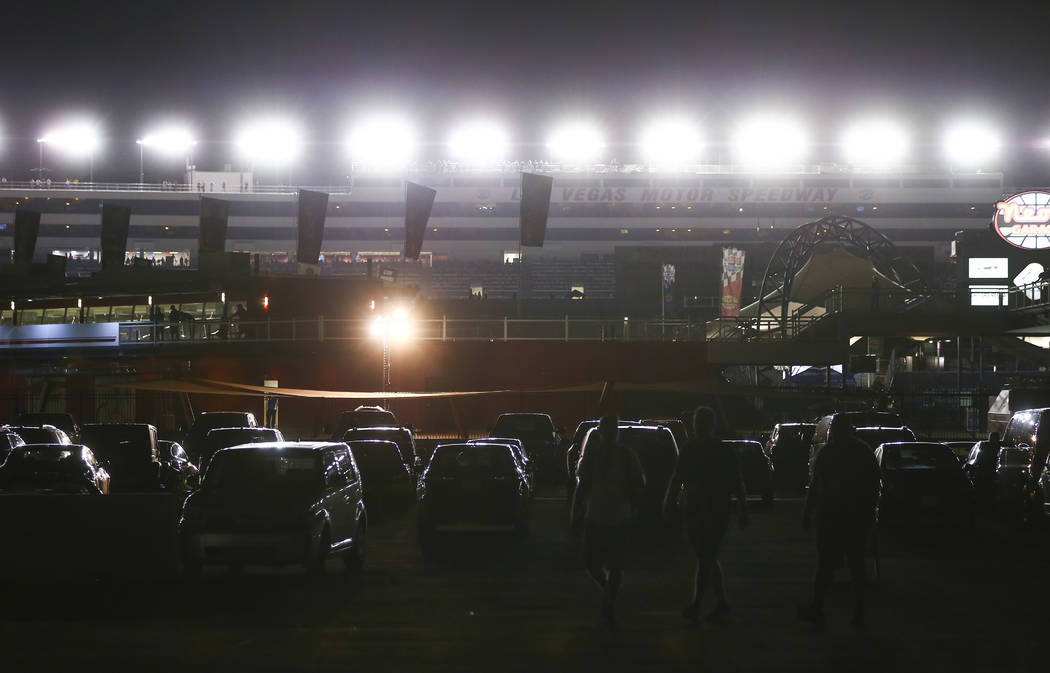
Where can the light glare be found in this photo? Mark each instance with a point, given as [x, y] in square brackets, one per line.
[576, 142]
[76, 139]
[770, 141]
[971, 144]
[479, 142]
[875, 142]
[670, 143]
[383, 142]
[171, 141]
[270, 142]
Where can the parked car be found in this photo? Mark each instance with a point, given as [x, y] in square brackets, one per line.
[222, 438]
[879, 434]
[129, 453]
[538, 434]
[64, 422]
[923, 481]
[8, 442]
[572, 454]
[402, 437]
[755, 466]
[364, 417]
[53, 468]
[961, 448]
[788, 448]
[516, 448]
[675, 425]
[205, 422]
[657, 452]
[386, 476]
[980, 467]
[1011, 473]
[39, 434]
[856, 419]
[472, 487]
[178, 473]
[277, 503]
[1037, 493]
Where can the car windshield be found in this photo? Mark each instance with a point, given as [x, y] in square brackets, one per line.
[795, 433]
[875, 436]
[377, 458]
[219, 419]
[37, 435]
[226, 437]
[918, 457]
[485, 458]
[42, 461]
[246, 472]
[125, 446]
[515, 424]
[402, 438]
[368, 418]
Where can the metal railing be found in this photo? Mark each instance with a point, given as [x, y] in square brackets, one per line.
[132, 334]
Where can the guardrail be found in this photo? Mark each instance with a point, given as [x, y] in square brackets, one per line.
[133, 334]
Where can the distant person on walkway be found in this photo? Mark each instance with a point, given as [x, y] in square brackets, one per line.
[175, 319]
[705, 479]
[874, 292]
[611, 481]
[842, 496]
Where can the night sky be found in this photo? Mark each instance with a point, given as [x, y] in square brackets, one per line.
[529, 63]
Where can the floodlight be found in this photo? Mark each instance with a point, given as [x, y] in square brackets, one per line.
[770, 140]
[173, 141]
[383, 142]
[378, 327]
[270, 142]
[971, 143]
[576, 142]
[479, 142]
[77, 139]
[875, 142]
[670, 142]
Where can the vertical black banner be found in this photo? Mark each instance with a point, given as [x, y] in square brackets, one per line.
[419, 201]
[116, 221]
[27, 228]
[535, 206]
[211, 237]
[312, 209]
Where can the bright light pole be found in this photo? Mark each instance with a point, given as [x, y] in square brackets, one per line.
[394, 327]
[76, 139]
[272, 142]
[168, 141]
[383, 142]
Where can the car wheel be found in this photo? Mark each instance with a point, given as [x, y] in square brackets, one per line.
[316, 565]
[355, 560]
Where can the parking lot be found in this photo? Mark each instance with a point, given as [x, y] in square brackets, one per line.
[491, 603]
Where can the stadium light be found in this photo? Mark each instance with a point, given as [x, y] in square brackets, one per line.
[270, 142]
[77, 139]
[971, 144]
[576, 142]
[167, 141]
[383, 142]
[875, 142]
[479, 142]
[770, 140]
[671, 142]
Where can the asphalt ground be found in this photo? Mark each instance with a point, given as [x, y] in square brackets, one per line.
[944, 602]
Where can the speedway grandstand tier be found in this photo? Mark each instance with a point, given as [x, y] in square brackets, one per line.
[600, 220]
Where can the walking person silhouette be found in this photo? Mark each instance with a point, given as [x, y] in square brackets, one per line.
[843, 496]
[706, 477]
[611, 482]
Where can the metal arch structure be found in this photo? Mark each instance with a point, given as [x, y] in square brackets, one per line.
[797, 248]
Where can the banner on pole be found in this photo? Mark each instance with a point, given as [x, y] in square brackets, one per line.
[669, 286]
[732, 281]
